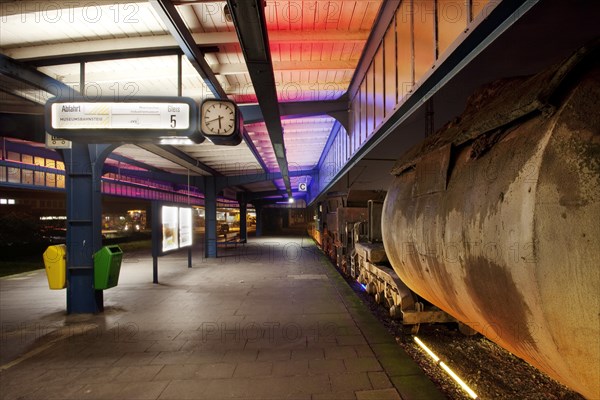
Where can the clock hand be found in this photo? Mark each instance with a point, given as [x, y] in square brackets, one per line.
[212, 120]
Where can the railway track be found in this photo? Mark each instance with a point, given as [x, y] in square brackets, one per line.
[489, 370]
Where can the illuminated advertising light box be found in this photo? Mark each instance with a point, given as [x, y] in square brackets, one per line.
[177, 227]
[133, 120]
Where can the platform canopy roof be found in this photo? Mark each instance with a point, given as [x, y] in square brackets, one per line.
[130, 48]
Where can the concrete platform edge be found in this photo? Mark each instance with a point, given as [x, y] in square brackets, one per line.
[406, 376]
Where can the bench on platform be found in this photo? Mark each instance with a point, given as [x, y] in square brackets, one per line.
[227, 239]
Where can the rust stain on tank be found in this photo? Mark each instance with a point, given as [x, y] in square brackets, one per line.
[499, 301]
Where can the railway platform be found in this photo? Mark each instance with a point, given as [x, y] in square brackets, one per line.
[270, 319]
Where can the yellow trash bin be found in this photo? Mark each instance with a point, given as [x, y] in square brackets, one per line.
[55, 261]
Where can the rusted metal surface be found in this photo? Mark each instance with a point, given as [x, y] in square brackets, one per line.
[371, 252]
[410, 317]
[359, 198]
[511, 245]
[385, 283]
[346, 215]
[375, 208]
[346, 218]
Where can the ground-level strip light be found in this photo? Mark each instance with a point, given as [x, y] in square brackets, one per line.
[446, 368]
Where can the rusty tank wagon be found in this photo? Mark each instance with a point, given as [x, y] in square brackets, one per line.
[495, 219]
[351, 238]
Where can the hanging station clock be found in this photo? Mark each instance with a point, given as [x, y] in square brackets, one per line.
[221, 122]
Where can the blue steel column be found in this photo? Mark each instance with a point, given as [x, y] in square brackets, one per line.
[243, 226]
[83, 170]
[210, 217]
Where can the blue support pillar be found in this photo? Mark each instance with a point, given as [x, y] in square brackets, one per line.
[243, 226]
[210, 217]
[83, 169]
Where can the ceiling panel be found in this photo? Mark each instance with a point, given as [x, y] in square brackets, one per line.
[53, 24]
[304, 140]
[139, 154]
[228, 160]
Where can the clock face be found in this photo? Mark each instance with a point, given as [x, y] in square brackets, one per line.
[218, 117]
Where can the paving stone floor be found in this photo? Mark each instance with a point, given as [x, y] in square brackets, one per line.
[271, 319]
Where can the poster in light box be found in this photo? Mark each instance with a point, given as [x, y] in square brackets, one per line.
[170, 228]
[185, 227]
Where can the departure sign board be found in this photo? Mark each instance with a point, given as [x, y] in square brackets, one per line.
[143, 119]
[120, 116]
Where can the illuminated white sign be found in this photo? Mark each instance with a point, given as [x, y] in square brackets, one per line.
[177, 227]
[185, 227]
[170, 228]
[105, 115]
[302, 186]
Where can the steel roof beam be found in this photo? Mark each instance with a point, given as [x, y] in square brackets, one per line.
[25, 126]
[174, 23]
[166, 41]
[337, 109]
[109, 55]
[265, 202]
[238, 180]
[253, 149]
[249, 196]
[251, 27]
[128, 44]
[35, 78]
[132, 162]
[156, 176]
[29, 108]
[296, 125]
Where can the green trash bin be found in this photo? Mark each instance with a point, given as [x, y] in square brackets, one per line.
[107, 265]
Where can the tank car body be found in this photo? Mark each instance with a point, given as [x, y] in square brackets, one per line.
[496, 219]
